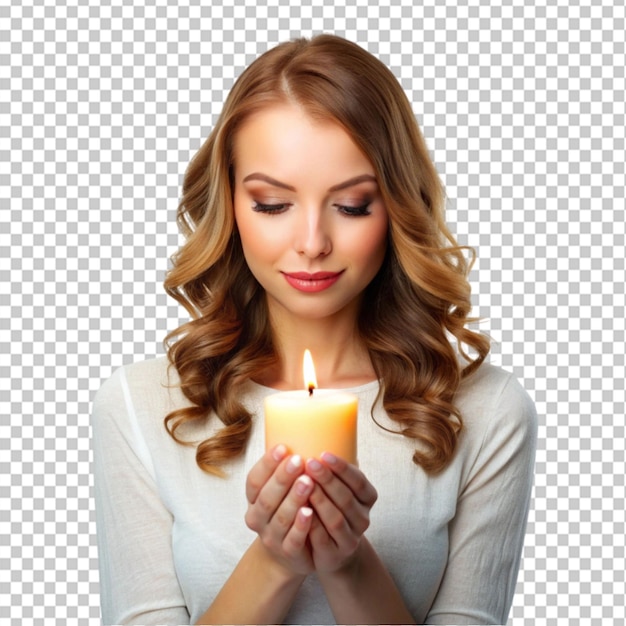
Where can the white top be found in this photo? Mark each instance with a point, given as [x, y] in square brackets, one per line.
[170, 535]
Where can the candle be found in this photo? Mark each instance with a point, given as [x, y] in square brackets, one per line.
[312, 421]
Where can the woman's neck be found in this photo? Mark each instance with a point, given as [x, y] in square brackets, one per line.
[339, 354]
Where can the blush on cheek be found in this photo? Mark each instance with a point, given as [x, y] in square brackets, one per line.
[372, 240]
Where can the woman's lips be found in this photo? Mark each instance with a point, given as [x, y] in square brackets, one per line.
[312, 283]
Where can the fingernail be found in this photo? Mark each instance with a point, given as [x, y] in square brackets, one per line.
[329, 458]
[306, 512]
[303, 485]
[294, 464]
[279, 452]
[314, 465]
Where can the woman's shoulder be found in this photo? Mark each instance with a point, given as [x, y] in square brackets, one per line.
[148, 381]
[149, 371]
[493, 398]
[155, 371]
[499, 422]
[491, 382]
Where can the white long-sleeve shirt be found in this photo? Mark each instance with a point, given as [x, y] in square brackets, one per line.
[170, 535]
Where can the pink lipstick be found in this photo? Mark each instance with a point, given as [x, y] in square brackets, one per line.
[312, 283]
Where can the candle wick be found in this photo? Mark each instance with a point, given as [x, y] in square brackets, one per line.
[311, 387]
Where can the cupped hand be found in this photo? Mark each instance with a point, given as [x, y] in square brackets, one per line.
[341, 499]
[277, 491]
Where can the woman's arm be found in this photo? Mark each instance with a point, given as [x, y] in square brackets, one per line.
[259, 591]
[487, 532]
[264, 583]
[358, 587]
[363, 592]
[138, 578]
[138, 582]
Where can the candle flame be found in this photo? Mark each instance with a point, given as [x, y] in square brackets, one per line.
[310, 382]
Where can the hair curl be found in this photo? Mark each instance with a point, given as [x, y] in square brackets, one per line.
[419, 298]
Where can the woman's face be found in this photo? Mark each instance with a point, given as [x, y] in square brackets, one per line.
[308, 209]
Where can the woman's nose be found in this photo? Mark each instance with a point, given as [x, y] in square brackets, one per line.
[312, 238]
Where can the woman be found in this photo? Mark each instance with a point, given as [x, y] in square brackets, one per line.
[314, 219]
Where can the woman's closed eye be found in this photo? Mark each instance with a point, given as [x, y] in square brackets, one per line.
[354, 211]
[279, 207]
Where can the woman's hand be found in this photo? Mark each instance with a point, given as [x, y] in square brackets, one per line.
[278, 492]
[341, 499]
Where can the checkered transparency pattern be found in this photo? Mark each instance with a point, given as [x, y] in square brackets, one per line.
[101, 107]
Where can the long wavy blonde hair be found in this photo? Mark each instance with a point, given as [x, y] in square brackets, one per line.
[417, 302]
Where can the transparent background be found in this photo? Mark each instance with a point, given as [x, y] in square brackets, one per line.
[101, 108]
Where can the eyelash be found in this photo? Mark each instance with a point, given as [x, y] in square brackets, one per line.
[354, 211]
[269, 208]
[348, 211]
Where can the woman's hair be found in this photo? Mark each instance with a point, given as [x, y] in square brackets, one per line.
[418, 302]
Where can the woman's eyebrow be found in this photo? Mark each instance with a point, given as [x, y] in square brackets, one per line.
[268, 179]
[351, 182]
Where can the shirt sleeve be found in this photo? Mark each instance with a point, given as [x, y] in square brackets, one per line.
[138, 582]
[487, 533]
